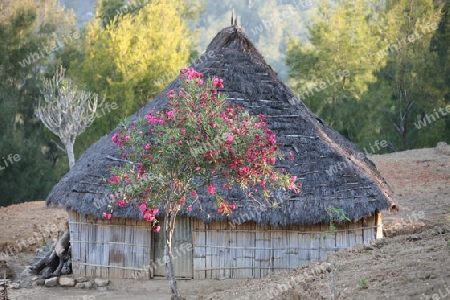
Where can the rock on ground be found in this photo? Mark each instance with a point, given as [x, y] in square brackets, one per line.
[66, 281]
[101, 282]
[51, 282]
[443, 148]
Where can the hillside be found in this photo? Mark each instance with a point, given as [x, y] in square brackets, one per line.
[410, 263]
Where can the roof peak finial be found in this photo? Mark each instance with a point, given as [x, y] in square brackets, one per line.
[233, 20]
[232, 13]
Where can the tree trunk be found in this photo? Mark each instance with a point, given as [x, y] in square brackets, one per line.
[169, 226]
[447, 120]
[69, 149]
[57, 260]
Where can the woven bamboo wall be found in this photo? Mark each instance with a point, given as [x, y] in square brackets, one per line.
[253, 251]
[122, 248]
[116, 248]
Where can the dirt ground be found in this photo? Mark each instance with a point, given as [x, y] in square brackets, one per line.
[411, 262]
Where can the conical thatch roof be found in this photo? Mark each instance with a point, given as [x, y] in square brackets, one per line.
[356, 187]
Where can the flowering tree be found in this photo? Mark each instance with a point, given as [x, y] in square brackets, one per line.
[162, 171]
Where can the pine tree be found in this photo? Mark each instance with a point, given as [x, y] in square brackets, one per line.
[392, 74]
[440, 44]
[333, 70]
[404, 92]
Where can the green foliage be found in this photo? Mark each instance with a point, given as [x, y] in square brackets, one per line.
[440, 44]
[363, 283]
[342, 39]
[392, 82]
[118, 61]
[107, 10]
[336, 215]
[124, 61]
[404, 90]
[24, 31]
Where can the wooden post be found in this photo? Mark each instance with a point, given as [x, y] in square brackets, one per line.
[379, 226]
[4, 292]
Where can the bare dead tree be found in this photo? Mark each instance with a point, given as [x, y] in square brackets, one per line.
[66, 111]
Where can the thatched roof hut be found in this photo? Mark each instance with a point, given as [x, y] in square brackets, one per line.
[254, 241]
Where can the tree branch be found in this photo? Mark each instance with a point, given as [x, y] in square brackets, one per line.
[59, 146]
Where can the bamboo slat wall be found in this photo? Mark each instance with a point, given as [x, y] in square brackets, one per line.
[116, 248]
[123, 248]
[253, 251]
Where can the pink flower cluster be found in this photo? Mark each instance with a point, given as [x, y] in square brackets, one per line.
[211, 189]
[218, 83]
[114, 179]
[119, 139]
[191, 74]
[229, 140]
[150, 215]
[152, 119]
[290, 155]
[226, 208]
[293, 185]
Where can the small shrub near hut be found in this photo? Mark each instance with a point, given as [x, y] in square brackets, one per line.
[363, 283]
